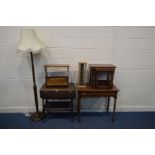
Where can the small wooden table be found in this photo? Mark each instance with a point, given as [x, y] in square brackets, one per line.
[88, 92]
[58, 99]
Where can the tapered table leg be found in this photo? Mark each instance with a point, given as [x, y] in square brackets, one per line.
[43, 104]
[107, 108]
[114, 107]
[72, 112]
[78, 109]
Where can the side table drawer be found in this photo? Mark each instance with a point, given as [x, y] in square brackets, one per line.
[97, 94]
[56, 94]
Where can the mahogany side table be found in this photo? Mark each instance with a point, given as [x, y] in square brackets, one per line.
[57, 99]
[89, 92]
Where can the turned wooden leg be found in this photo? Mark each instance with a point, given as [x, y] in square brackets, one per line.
[79, 108]
[72, 112]
[43, 104]
[114, 108]
[107, 108]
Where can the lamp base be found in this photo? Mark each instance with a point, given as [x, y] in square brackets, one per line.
[37, 116]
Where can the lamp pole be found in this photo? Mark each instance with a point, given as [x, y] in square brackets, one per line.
[36, 116]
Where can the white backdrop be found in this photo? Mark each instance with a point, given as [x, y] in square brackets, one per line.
[131, 49]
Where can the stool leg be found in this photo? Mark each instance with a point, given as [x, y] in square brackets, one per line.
[114, 108]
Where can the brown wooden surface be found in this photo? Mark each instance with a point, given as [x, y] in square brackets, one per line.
[57, 106]
[53, 98]
[71, 87]
[57, 81]
[103, 65]
[98, 69]
[103, 69]
[56, 65]
[90, 92]
[88, 88]
[57, 92]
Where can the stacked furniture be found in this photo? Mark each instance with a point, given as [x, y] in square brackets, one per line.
[102, 75]
[57, 93]
[100, 85]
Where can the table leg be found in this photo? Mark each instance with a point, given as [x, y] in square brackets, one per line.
[43, 104]
[95, 80]
[108, 104]
[90, 77]
[47, 111]
[114, 107]
[78, 108]
[72, 113]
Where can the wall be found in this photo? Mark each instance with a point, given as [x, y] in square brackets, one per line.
[131, 49]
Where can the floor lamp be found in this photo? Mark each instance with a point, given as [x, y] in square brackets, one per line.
[30, 44]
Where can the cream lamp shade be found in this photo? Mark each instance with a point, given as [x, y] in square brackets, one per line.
[30, 42]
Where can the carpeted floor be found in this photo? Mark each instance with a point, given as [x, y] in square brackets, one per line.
[124, 120]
